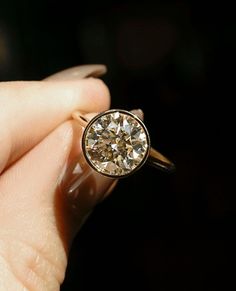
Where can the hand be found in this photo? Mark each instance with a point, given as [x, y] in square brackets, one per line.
[37, 140]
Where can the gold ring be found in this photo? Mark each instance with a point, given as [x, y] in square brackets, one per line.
[116, 143]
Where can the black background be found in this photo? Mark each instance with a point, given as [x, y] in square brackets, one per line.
[175, 60]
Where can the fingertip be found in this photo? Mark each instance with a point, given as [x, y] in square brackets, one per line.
[100, 96]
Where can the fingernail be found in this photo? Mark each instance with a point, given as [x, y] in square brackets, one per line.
[79, 72]
[82, 186]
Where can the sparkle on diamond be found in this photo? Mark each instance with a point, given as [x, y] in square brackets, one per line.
[116, 143]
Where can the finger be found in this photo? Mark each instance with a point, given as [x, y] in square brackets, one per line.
[32, 203]
[28, 212]
[30, 110]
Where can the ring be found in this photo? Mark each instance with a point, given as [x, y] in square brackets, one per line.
[116, 143]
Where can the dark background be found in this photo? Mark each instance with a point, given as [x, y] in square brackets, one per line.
[175, 60]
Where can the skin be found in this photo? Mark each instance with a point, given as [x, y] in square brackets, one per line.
[37, 141]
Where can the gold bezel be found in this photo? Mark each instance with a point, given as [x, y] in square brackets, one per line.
[106, 113]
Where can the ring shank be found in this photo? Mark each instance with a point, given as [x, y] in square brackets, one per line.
[157, 160]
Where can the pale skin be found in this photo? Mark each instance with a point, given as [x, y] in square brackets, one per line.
[36, 139]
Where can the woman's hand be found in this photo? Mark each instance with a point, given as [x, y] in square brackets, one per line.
[36, 143]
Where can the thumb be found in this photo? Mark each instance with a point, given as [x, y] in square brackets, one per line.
[37, 223]
[34, 240]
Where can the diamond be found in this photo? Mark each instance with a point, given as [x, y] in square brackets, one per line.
[116, 143]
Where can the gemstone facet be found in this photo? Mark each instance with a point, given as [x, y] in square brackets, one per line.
[116, 143]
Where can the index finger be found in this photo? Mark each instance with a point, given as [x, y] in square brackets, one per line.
[29, 111]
